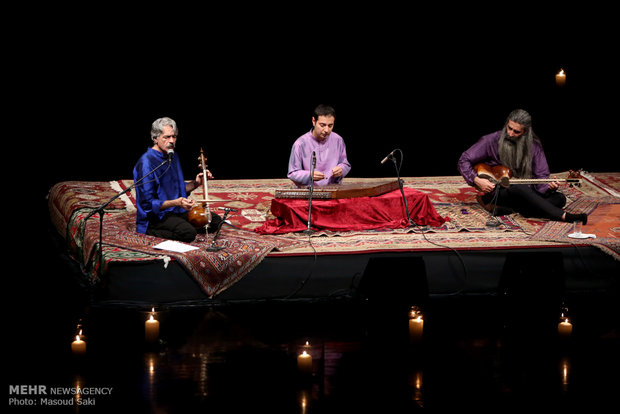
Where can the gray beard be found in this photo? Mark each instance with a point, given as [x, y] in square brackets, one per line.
[516, 155]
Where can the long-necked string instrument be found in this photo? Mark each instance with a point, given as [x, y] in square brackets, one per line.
[200, 215]
[503, 175]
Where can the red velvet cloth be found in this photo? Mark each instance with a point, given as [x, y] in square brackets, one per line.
[361, 213]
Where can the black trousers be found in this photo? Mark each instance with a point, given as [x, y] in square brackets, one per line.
[177, 227]
[527, 202]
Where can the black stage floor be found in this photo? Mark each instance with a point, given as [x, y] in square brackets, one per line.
[476, 352]
[490, 336]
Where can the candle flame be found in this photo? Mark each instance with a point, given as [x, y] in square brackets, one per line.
[77, 338]
[304, 353]
[307, 343]
[561, 73]
[151, 318]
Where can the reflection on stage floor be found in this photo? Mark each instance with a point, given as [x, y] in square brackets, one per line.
[469, 352]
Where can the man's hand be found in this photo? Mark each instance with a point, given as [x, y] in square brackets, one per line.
[318, 176]
[484, 185]
[337, 171]
[554, 185]
[199, 178]
[191, 186]
[186, 203]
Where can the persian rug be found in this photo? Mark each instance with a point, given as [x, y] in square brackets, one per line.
[603, 222]
[240, 252]
[71, 201]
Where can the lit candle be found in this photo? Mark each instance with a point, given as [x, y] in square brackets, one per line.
[560, 78]
[78, 347]
[151, 329]
[304, 362]
[565, 328]
[416, 325]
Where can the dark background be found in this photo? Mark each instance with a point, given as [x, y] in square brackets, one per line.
[244, 89]
[84, 87]
[247, 109]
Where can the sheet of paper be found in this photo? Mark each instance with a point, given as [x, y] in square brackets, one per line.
[174, 246]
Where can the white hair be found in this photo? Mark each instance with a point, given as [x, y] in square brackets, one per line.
[157, 127]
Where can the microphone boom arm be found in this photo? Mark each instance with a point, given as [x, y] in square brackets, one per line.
[101, 211]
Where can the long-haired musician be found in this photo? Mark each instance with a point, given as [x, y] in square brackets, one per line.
[516, 147]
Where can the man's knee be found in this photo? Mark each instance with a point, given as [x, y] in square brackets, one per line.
[558, 199]
[185, 232]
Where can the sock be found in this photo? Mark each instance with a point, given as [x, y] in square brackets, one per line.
[582, 217]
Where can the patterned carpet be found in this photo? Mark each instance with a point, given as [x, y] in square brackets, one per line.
[69, 202]
[603, 222]
[450, 195]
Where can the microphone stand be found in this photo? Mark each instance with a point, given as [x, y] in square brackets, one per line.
[493, 221]
[102, 207]
[400, 185]
[309, 231]
[212, 247]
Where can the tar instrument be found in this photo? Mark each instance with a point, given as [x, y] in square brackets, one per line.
[503, 175]
[200, 215]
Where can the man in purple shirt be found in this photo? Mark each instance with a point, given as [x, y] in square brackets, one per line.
[518, 148]
[329, 149]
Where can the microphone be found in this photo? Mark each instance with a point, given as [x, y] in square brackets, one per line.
[228, 209]
[170, 154]
[313, 159]
[383, 161]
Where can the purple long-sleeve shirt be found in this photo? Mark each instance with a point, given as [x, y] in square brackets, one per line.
[330, 152]
[486, 150]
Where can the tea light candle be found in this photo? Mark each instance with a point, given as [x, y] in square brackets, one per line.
[304, 362]
[151, 329]
[565, 328]
[78, 347]
[560, 78]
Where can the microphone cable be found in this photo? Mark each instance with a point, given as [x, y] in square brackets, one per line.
[422, 228]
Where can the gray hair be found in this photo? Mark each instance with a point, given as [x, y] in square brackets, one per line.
[157, 127]
[521, 117]
[517, 154]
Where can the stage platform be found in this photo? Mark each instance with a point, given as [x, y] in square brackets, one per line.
[463, 256]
